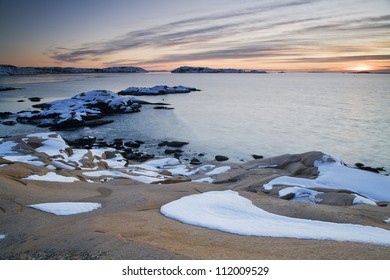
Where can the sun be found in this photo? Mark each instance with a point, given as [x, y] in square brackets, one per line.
[360, 67]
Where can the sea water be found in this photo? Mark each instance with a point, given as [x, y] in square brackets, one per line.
[345, 115]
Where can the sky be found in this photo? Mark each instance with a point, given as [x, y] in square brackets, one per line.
[273, 35]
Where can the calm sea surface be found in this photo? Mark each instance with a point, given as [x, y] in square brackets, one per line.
[346, 115]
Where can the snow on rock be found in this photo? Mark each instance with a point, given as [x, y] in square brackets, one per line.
[51, 177]
[156, 90]
[334, 175]
[227, 211]
[300, 194]
[204, 180]
[113, 173]
[387, 221]
[81, 110]
[362, 200]
[2, 236]
[66, 208]
[218, 170]
[54, 145]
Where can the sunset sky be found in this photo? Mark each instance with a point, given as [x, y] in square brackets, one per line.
[289, 35]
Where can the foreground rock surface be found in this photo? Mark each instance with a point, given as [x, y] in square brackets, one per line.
[129, 224]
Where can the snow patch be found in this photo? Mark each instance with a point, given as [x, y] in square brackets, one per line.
[227, 211]
[334, 175]
[51, 177]
[66, 208]
[218, 170]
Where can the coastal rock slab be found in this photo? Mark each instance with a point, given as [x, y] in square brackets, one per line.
[156, 90]
[81, 110]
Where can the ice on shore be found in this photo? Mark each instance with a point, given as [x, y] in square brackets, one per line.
[218, 170]
[51, 177]
[229, 212]
[334, 175]
[66, 208]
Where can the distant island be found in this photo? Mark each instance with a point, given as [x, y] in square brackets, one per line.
[189, 69]
[9, 70]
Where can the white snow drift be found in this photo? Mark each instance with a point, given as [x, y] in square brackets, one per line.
[227, 211]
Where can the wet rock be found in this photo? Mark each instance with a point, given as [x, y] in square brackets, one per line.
[173, 151]
[87, 141]
[9, 123]
[140, 157]
[5, 115]
[35, 99]
[20, 100]
[132, 144]
[257, 156]
[221, 158]
[176, 144]
[163, 108]
[369, 168]
[195, 161]
[5, 88]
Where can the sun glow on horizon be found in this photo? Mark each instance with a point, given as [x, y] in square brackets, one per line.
[360, 67]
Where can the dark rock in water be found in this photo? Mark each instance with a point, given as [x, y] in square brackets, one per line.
[176, 144]
[132, 144]
[35, 99]
[369, 168]
[257, 156]
[74, 124]
[140, 157]
[87, 141]
[201, 154]
[195, 161]
[9, 123]
[5, 115]
[173, 151]
[3, 88]
[163, 108]
[221, 158]
[156, 90]
[20, 100]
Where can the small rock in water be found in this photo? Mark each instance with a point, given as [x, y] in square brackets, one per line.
[369, 168]
[20, 100]
[171, 151]
[9, 123]
[35, 99]
[5, 115]
[163, 108]
[132, 144]
[257, 156]
[176, 144]
[195, 161]
[221, 158]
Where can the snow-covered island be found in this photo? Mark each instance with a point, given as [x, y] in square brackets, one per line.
[156, 90]
[84, 109]
[190, 69]
[7, 70]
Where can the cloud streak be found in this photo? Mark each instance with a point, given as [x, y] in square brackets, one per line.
[254, 32]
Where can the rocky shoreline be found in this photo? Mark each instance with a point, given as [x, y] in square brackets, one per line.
[89, 198]
[44, 167]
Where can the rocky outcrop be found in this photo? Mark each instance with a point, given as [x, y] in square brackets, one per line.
[84, 109]
[6, 70]
[156, 90]
[189, 69]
